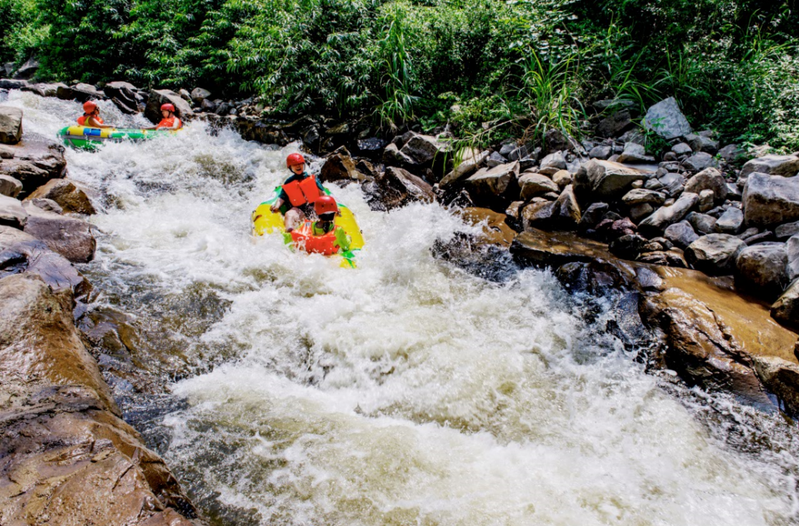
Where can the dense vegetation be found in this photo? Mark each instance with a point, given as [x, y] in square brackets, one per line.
[486, 67]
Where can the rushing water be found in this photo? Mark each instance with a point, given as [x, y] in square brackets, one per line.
[406, 392]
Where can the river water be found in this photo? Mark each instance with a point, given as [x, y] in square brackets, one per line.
[406, 392]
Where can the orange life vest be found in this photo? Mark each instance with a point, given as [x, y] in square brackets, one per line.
[301, 192]
[84, 118]
[169, 122]
[303, 238]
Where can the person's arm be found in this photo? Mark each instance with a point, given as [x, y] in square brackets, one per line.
[275, 208]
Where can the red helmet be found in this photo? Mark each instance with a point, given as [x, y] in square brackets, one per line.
[294, 158]
[89, 106]
[324, 205]
[168, 107]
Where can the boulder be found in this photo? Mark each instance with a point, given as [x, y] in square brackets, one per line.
[10, 125]
[699, 161]
[614, 124]
[628, 246]
[339, 166]
[21, 252]
[702, 223]
[566, 211]
[593, 215]
[487, 184]
[69, 197]
[731, 153]
[534, 184]
[198, 95]
[635, 153]
[792, 251]
[785, 165]
[371, 147]
[665, 216]
[786, 309]
[425, 150]
[672, 183]
[68, 236]
[714, 254]
[708, 179]
[702, 143]
[604, 180]
[495, 159]
[9, 186]
[12, 213]
[681, 234]
[538, 214]
[730, 221]
[33, 162]
[563, 178]
[638, 196]
[602, 151]
[681, 149]
[762, 269]
[787, 230]
[44, 89]
[770, 200]
[666, 119]
[781, 377]
[80, 92]
[162, 96]
[552, 163]
[399, 187]
[13, 84]
[47, 204]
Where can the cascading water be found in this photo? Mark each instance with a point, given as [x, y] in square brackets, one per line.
[403, 392]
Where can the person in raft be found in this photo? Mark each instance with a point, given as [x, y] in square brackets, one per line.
[297, 194]
[91, 116]
[170, 120]
[322, 236]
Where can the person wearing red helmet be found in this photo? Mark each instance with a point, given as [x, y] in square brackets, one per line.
[170, 120]
[297, 194]
[91, 116]
[322, 236]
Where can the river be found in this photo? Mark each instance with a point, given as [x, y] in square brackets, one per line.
[406, 392]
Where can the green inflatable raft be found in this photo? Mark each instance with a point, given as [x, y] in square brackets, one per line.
[89, 138]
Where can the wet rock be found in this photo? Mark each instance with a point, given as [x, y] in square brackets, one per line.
[162, 96]
[392, 156]
[10, 125]
[699, 161]
[781, 377]
[537, 248]
[792, 249]
[9, 186]
[708, 179]
[488, 184]
[339, 166]
[47, 204]
[33, 162]
[665, 258]
[400, 187]
[635, 153]
[593, 215]
[566, 211]
[68, 196]
[603, 180]
[44, 89]
[12, 83]
[68, 236]
[730, 222]
[663, 217]
[552, 163]
[702, 223]
[32, 256]
[770, 200]
[681, 234]
[495, 230]
[786, 309]
[627, 246]
[11, 212]
[761, 269]
[371, 146]
[593, 277]
[538, 215]
[602, 151]
[534, 184]
[714, 254]
[666, 119]
[785, 165]
[425, 150]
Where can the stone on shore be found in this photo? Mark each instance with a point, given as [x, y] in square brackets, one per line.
[162, 96]
[12, 213]
[785, 165]
[599, 180]
[68, 236]
[762, 269]
[770, 200]
[786, 309]
[708, 179]
[714, 254]
[667, 215]
[535, 184]
[10, 186]
[489, 184]
[666, 119]
[730, 222]
[10, 125]
[69, 197]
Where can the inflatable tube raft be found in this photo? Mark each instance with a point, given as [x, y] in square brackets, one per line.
[264, 221]
[88, 138]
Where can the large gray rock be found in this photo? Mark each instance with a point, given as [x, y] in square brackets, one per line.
[9, 186]
[399, 187]
[637, 196]
[714, 254]
[492, 182]
[12, 213]
[786, 309]
[552, 163]
[635, 153]
[792, 250]
[700, 161]
[21, 252]
[614, 124]
[567, 210]
[534, 184]
[602, 151]
[198, 95]
[681, 234]
[161, 96]
[770, 200]
[730, 222]
[667, 215]
[672, 183]
[538, 215]
[80, 92]
[702, 223]
[666, 119]
[69, 197]
[422, 150]
[33, 162]
[599, 180]
[762, 269]
[701, 143]
[468, 165]
[10, 125]
[68, 236]
[781, 377]
[708, 179]
[785, 165]
[787, 230]
[27, 70]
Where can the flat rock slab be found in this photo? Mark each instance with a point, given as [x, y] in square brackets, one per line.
[495, 230]
[599, 180]
[785, 165]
